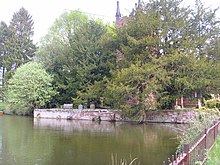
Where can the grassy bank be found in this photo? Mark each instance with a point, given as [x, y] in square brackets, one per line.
[213, 155]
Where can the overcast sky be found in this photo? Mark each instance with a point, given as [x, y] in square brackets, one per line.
[44, 12]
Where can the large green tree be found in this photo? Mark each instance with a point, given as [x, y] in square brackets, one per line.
[179, 38]
[4, 35]
[19, 45]
[203, 28]
[188, 75]
[74, 52]
[155, 29]
[30, 87]
[134, 89]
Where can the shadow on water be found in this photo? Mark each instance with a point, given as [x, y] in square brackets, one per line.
[55, 142]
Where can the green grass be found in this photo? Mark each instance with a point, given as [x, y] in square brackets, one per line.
[214, 154]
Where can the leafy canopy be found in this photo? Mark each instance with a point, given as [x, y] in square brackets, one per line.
[29, 88]
[75, 52]
[18, 44]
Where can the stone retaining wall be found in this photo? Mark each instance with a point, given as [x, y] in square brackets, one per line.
[166, 116]
[171, 116]
[85, 114]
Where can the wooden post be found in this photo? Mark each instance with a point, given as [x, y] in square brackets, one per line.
[186, 150]
[181, 99]
[199, 103]
[173, 159]
[215, 130]
[206, 138]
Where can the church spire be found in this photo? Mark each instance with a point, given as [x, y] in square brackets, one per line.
[118, 14]
[139, 3]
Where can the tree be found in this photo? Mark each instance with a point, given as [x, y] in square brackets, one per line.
[94, 93]
[74, 52]
[134, 89]
[19, 44]
[179, 38]
[188, 74]
[203, 28]
[4, 35]
[155, 29]
[30, 87]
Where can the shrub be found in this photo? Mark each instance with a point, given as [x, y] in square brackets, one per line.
[29, 88]
[2, 106]
[212, 103]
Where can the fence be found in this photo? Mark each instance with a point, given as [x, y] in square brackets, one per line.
[196, 150]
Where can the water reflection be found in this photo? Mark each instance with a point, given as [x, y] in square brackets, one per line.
[0, 145]
[69, 126]
[27, 141]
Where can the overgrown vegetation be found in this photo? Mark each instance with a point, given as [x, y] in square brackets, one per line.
[213, 103]
[2, 106]
[213, 156]
[203, 120]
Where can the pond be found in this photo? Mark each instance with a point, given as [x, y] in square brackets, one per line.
[28, 141]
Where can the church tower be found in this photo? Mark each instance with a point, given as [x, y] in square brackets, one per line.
[118, 16]
[121, 20]
[139, 4]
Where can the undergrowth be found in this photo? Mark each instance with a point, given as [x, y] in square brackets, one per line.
[213, 155]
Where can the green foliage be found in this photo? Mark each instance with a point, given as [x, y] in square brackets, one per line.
[163, 51]
[4, 35]
[212, 103]
[94, 93]
[203, 28]
[188, 74]
[2, 93]
[2, 106]
[203, 120]
[29, 88]
[75, 52]
[213, 155]
[134, 88]
[17, 44]
[179, 37]
[153, 30]
[179, 68]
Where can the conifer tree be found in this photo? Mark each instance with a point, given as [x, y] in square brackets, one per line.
[203, 28]
[19, 45]
[4, 34]
[75, 52]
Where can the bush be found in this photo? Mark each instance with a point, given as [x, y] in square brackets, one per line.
[212, 103]
[29, 88]
[204, 119]
[2, 106]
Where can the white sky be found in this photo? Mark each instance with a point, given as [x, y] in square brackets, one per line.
[44, 12]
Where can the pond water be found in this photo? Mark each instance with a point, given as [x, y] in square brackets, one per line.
[28, 141]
